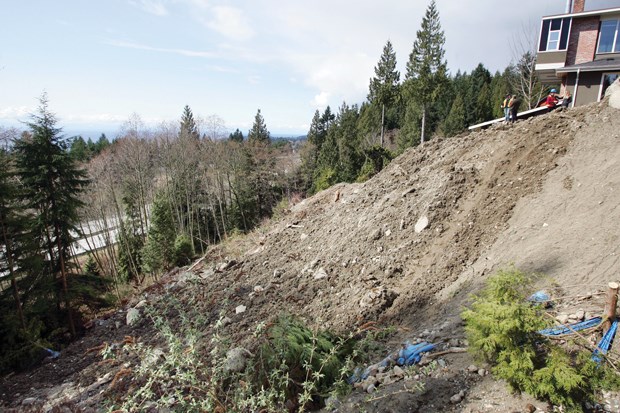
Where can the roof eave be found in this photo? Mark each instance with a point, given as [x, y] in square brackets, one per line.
[584, 13]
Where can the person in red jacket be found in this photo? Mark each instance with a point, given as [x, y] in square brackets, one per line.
[552, 99]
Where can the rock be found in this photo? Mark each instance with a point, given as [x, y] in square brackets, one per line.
[29, 401]
[530, 408]
[258, 289]
[332, 403]
[388, 233]
[472, 369]
[562, 318]
[320, 274]
[133, 316]
[226, 321]
[580, 314]
[442, 363]
[236, 359]
[187, 276]
[240, 309]
[141, 304]
[482, 372]
[371, 388]
[154, 357]
[223, 266]
[398, 372]
[421, 225]
[457, 397]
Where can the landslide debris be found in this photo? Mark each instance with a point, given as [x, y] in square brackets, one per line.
[403, 249]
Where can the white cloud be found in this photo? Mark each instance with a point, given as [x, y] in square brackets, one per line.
[321, 100]
[94, 118]
[155, 7]
[11, 113]
[230, 22]
[182, 52]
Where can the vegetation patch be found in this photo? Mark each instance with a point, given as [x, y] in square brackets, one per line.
[502, 327]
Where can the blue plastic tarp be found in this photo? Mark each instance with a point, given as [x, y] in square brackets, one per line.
[605, 343]
[570, 328]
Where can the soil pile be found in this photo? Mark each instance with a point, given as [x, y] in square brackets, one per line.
[403, 249]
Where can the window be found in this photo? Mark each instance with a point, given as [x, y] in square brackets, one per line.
[608, 41]
[606, 81]
[554, 34]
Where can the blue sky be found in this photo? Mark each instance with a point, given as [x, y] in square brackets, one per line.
[101, 61]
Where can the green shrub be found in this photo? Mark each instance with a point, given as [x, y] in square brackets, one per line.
[501, 328]
[183, 250]
[318, 360]
[187, 371]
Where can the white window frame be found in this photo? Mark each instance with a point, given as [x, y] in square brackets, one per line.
[557, 41]
[616, 42]
[600, 90]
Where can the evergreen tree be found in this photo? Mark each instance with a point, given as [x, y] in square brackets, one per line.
[11, 226]
[426, 76]
[102, 143]
[80, 149]
[383, 90]
[188, 125]
[259, 132]
[158, 252]
[455, 122]
[236, 136]
[52, 186]
[480, 105]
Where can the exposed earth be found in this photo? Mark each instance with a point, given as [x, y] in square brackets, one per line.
[403, 250]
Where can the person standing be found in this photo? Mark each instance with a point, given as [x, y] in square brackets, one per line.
[505, 106]
[513, 104]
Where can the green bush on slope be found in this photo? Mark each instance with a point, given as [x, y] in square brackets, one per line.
[501, 328]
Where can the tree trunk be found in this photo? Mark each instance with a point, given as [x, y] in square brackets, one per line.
[423, 125]
[63, 274]
[382, 123]
[611, 302]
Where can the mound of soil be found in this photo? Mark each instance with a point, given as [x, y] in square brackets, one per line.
[404, 249]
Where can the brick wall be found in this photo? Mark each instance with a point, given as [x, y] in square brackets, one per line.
[579, 6]
[582, 41]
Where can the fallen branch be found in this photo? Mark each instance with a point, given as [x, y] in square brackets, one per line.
[196, 263]
[449, 351]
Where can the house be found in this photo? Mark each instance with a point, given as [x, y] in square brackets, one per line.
[581, 50]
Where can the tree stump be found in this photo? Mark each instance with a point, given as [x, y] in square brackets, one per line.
[610, 306]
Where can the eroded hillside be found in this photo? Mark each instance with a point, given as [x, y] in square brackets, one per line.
[403, 249]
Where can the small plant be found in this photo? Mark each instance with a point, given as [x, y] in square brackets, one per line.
[502, 327]
[318, 362]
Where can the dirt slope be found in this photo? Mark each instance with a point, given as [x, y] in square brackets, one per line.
[403, 249]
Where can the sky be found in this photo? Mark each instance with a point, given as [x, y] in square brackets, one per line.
[102, 61]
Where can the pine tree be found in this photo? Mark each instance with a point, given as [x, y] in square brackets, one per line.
[158, 252]
[188, 125]
[11, 226]
[426, 76]
[455, 122]
[259, 132]
[383, 90]
[236, 136]
[52, 185]
[480, 104]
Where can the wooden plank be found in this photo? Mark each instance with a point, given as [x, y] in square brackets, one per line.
[521, 115]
